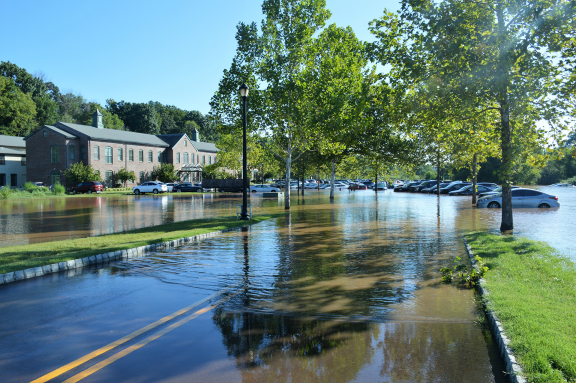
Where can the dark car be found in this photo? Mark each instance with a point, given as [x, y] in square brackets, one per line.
[187, 187]
[454, 186]
[405, 187]
[87, 187]
[423, 185]
[434, 189]
[468, 190]
[358, 187]
[495, 191]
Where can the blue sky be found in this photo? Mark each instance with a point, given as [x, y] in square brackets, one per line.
[171, 51]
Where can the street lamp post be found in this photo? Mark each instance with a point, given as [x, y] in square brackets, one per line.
[244, 214]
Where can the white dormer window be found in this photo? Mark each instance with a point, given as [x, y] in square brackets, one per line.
[185, 142]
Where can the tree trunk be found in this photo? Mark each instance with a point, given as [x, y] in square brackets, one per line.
[507, 223]
[288, 167]
[474, 177]
[333, 180]
[376, 186]
[438, 170]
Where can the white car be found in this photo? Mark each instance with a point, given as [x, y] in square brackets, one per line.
[150, 187]
[263, 188]
[521, 198]
[170, 186]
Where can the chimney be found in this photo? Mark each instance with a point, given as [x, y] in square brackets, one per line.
[97, 120]
[195, 135]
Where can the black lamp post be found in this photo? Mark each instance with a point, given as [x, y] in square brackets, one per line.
[244, 214]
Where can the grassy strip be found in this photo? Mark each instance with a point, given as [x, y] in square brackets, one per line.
[22, 257]
[107, 193]
[533, 293]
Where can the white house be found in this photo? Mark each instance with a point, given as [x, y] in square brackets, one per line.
[12, 161]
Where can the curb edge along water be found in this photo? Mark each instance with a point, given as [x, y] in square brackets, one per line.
[136, 252]
[513, 369]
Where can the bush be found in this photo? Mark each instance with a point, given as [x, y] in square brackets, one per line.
[5, 192]
[30, 187]
[59, 189]
[79, 173]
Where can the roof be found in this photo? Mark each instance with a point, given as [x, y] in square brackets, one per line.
[172, 139]
[205, 146]
[113, 135]
[12, 141]
[54, 129]
[17, 152]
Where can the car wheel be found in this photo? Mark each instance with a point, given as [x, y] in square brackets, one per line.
[136, 191]
[544, 206]
[73, 191]
[155, 191]
[89, 191]
[494, 205]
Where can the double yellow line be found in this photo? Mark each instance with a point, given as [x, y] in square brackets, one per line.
[133, 335]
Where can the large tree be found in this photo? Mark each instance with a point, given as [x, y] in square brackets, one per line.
[17, 110]
[271, 63]
[493, 55]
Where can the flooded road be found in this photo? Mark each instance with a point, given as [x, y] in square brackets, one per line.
[339, 292]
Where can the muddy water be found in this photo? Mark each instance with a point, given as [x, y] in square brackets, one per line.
[340, 292]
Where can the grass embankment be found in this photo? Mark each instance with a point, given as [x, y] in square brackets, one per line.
[533, 293]
[22, 257]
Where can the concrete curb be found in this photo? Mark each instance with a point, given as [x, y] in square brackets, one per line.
[137, 252]
[513, 369]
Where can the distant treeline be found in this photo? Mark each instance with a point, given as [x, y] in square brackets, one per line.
[28, 102]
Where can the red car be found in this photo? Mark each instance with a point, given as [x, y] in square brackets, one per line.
[87, 187]
[358, 187]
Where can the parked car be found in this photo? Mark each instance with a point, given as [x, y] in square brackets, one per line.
[423, 185]
[340, 185]
[358, 187]
[454, 186]
[405, 187]
[489, 184]
[170, 186]
[150, 187]
[562, 185]
[521, 198]
[495, 191]
[39, 184]
[187, 187]
[87, 187]
[381, 186]
[468, 190]
[261, 188]
[434, 189]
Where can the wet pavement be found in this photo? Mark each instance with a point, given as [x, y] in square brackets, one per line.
[339, 292]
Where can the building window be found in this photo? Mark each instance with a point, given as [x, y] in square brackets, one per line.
[215, 158]
[108, 155]
[177, 157]
[71, 152]
[120, 155]
[209, 160]
[197, 158]
[2, 179]
[185, 158]
[185, 142]
[54, 154]
[109, 178]
[23, 161]
[131, 155]
[192, 158]
[2, 159]
[13, 179]
[141, 177]
[141, 155]
[150, 156]
[203, 160]
[44, 133]
[82, 152]
[96, 152]
[159, 156]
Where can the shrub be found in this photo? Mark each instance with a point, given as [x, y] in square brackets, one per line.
[30, 187]
[5, 192]
[59, 189]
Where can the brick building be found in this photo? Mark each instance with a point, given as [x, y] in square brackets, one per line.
[53, 149]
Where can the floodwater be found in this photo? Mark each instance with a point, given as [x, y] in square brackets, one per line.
[347, 291]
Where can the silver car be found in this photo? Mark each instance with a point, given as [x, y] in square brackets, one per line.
[521, 198]
[150, 187]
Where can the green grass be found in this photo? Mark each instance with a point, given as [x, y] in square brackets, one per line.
[16, 195]
[22, 257]
[533, 293]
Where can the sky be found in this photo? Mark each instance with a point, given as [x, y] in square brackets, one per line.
[171, 51]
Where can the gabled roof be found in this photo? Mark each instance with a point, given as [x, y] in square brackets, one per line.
[54, 129]
[172, 139]
[11, 141]
[112, 134]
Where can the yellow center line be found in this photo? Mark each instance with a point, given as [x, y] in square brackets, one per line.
[125, 339]
[143, 342]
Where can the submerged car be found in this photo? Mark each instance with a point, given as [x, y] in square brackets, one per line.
[495, 191]
[468, 190]
[521, 198]
[358, 187]
[263, 188]
[187, 187]
[87, 187]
